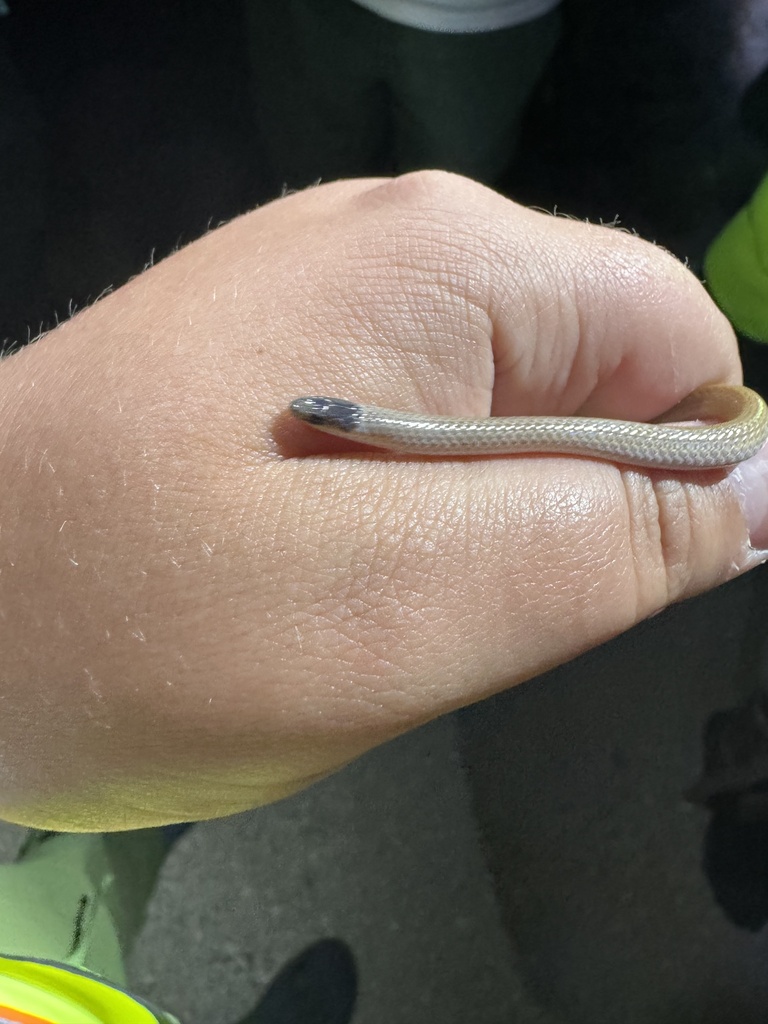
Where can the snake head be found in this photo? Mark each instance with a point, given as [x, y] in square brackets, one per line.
[332, 414]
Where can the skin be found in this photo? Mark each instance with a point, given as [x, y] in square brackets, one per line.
[205, 606]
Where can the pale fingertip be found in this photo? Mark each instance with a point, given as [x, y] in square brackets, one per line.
[749, 481]
[753, 557]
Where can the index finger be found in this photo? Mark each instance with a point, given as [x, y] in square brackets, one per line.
[448, 298]
[582, 318]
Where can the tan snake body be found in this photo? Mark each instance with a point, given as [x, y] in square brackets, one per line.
[740, 430]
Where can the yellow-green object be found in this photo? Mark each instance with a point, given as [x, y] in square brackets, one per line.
[34, 991]
[736, 267]
[79, 899]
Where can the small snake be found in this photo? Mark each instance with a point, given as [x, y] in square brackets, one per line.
[740, 431]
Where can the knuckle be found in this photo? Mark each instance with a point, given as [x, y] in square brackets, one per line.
[423, 189]
[675, 550]
[654, 530]
[674, 533]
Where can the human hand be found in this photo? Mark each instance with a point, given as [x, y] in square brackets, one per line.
[206, 606]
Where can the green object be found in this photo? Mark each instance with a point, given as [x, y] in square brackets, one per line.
[70, 909]
[79, 899]
[736, 267]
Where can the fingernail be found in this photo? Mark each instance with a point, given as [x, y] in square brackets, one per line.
[750, 482]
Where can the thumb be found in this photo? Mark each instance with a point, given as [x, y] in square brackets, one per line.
[462, 579]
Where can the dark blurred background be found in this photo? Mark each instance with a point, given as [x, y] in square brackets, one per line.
[126, 128]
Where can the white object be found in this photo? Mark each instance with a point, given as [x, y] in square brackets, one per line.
[460, 15]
